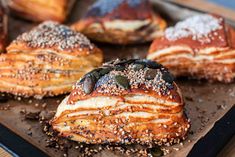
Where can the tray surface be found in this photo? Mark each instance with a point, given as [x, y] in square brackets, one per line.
[205, 102]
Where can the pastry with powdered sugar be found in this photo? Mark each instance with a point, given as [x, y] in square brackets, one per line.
[202, 46]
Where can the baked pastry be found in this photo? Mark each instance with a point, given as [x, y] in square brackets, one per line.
[202, 46]
[121, 22]
[3, 29]
[125, 101]
[41, 10]
[46, 61]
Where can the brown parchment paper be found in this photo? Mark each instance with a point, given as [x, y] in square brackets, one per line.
[205, 102]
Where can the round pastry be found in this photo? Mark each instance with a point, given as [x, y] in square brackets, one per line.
[201, 46]
[124, 101]
[47, 61]
[121, 22]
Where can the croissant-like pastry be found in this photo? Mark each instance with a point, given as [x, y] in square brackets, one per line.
[47, 61]
[127, 101]
[121, 22]
[202, 46]
[3, 29]
[41, 10]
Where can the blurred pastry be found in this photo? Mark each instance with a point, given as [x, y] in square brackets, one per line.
[124, 101]
[46, 61]
[41, 10]
[3, 29]
[201, 46]
[121, 22]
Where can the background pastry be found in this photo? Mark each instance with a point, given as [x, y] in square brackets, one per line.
[41, 10]
[202, 46]
[46, 61]
[3, 29]
[121, 22]
[124, 101]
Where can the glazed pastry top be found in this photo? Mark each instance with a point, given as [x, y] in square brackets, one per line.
[198, 27]
[120, 77]
[200, 31]
[54, 35]
[120, 9]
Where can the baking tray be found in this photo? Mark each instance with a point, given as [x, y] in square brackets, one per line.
[206, 103]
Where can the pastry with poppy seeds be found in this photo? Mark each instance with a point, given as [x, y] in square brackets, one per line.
[41, 10]
[124, 101]
[47, 61]
[121, 22]
[201, 46]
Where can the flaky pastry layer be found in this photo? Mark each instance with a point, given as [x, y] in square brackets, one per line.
[117, 28]
[3, 29]
[41, 10]
[129, 119]
[43, 73]
[47, 61]
[213, 60]
[149, 111]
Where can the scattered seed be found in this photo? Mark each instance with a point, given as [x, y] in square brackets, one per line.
[150, 74]
[137, 67]
[168, 77]
[156, 151]
[122, 81]
[88, 85]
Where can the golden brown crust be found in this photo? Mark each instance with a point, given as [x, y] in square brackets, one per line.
[149, 110]
[41, 10]
[112, 26]
[3, 29]
[97, 131]
[34, 68]
[141, 90]
[212, 56]
[53, 36]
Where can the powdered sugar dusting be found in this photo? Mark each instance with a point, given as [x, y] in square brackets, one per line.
[199, 27]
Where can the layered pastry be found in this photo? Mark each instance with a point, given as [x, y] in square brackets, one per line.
[121, 22]
[3, 29]
[124, 101]
[46, 61]
[41, 10]
[201, 46]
